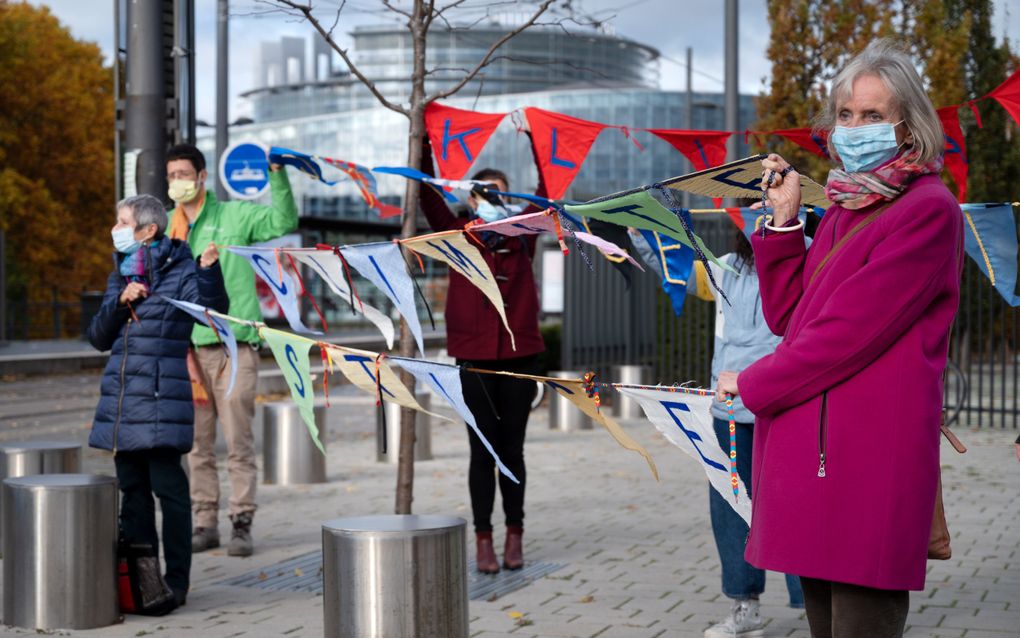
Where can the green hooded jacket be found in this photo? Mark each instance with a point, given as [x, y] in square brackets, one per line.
[241, 223]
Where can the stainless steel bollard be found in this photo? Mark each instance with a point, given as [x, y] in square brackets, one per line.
[289, 456]
[564, 415]
[395, 577]
[60, 551]
[422, 431]
[38, 457]
[624, 406]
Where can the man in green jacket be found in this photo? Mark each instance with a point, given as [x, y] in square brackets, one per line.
[200, 219]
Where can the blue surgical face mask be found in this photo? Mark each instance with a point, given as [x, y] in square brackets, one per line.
[863, 148]
[124, 240]
[490, 213]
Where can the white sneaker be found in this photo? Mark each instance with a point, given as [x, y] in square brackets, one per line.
[743, 621]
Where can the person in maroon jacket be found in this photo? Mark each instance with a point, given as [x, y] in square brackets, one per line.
[475, 336]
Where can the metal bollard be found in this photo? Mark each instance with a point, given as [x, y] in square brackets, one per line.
[395, 577]
[60, 551]
[289, 456]
[422, 431]
[564, 415]
[37, 457]
[624, 406]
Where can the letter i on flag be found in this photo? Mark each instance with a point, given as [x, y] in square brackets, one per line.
[458, 137]
[686, 422]
[328, 266]
[445, 381]
[384, 266]
[291, 354]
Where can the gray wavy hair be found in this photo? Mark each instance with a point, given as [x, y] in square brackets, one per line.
[888, 62]
[146, 210]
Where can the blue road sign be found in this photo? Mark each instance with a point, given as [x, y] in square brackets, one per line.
[244, 170]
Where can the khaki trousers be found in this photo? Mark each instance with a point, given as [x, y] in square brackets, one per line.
[235, 414]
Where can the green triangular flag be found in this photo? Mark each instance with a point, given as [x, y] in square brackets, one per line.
[641, 210]
[291, 353]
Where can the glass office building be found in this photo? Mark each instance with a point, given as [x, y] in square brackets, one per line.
[591, 75]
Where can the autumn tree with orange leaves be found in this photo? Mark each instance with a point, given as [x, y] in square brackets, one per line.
[56, 158]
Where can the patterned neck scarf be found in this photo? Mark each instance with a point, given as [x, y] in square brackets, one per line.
[132, 267]
[887, 182]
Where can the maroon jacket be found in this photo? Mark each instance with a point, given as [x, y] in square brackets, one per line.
[474, 330]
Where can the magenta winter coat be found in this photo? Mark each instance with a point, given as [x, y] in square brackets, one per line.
[858, 378]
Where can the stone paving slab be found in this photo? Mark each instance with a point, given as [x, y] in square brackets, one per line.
[639, 558]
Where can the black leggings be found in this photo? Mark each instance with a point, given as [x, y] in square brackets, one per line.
[511, 400]
[840, 610]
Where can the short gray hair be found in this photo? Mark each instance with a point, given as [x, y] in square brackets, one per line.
[888, 62]
[146, 210]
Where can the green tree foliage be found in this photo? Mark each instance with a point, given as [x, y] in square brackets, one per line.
[952, 43]
[56, 156]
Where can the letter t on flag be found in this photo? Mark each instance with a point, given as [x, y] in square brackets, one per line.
[457, 137]
[560, 144]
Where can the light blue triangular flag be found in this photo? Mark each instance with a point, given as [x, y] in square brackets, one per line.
[263, 262]
[445, 381]
[383, 265]
[221, 328]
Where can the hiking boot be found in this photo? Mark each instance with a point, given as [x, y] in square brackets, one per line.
[743, 621]
[240, 538]
[203, 538]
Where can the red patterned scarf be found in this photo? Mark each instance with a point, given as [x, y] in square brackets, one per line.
[888, 181]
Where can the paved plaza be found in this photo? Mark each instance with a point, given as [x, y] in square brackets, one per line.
[638, 556]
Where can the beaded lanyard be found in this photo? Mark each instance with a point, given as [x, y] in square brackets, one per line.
[734, 479]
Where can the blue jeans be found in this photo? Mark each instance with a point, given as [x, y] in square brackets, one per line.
[739, 579]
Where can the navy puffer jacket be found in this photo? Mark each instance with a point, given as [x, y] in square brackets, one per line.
[146, 391]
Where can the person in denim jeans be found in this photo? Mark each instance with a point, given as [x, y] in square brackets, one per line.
[741, 338]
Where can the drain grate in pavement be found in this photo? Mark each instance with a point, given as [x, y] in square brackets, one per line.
[304, 574]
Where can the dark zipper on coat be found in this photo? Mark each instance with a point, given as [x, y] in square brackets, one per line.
[120, 400]
[823, 422]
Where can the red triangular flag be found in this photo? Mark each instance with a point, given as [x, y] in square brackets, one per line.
[1008, 95]
[704, 149]
[458, 136]
[561, 144]
[956, 149]
[808, 139]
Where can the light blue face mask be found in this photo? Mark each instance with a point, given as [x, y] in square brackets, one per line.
[124, 240]
[490, 213]
[862, 148]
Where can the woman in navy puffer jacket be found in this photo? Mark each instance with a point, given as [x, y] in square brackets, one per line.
[145, 414]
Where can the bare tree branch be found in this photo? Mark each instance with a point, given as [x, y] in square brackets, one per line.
[488, 54]
[306, 11]
[336, 21]
[433, 13]
[388, 5]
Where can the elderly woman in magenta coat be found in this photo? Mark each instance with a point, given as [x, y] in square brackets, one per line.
[846, 448]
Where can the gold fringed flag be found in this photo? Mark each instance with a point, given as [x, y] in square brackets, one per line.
[452, 247]
[360, 368]
[291, 353]
[741, 178]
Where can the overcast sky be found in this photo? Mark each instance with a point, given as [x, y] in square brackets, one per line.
[668, 25]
